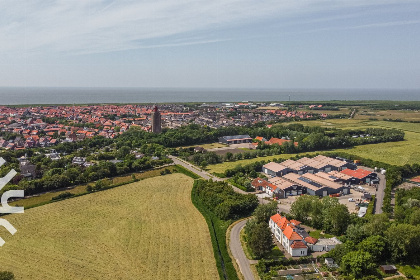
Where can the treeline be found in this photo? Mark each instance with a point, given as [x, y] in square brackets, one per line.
[223, 201]
[61, 177]
[394, 177]
[309, 137]
[218, 220]
[407, 206]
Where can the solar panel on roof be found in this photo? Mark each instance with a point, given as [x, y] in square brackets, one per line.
[310, 182]
[333, 177]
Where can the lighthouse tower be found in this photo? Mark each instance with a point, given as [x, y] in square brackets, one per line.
[156, 120]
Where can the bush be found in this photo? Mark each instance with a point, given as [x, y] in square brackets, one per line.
[62, 196]
[7, 275]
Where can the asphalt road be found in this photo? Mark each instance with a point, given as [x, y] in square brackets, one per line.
[380, 194]
[201, 173]
[238, 252]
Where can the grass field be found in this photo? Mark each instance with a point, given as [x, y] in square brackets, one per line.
[46, 197]
[406, 115]
[145, 230]
[221, 167]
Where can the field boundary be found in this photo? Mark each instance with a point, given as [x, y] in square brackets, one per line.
[217, 230]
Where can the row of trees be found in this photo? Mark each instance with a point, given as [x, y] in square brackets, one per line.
[57, 178]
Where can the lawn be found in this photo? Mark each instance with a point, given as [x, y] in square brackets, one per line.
[208, 146]
[145, 230]
[414, 270]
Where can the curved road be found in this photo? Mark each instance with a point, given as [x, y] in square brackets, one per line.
[238, 252]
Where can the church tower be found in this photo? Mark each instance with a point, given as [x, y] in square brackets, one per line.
[156, 121]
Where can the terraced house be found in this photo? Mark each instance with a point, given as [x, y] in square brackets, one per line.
[295, 240]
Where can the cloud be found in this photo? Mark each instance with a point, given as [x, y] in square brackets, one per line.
[95, 26]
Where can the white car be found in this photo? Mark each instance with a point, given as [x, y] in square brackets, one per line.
[351, 200]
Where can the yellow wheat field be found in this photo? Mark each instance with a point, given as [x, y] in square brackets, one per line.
[145, 230]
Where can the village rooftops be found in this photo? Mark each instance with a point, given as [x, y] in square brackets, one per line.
[258, 182]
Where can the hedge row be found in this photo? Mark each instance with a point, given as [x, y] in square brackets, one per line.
[217, 230]
[371, 207]
[187, 172]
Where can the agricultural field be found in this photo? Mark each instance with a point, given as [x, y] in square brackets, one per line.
[145, 230]
[405, 115]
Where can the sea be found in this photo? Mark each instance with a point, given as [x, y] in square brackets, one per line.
[89, 95]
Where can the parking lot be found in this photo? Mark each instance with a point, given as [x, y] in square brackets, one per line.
[350, 200]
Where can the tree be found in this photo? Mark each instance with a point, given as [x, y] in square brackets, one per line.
[403, 241]
[260, 240]
[264, 211]
[355, 233]
[228, 156]
[376, 246]
[336, 219]
[377, 224]
[302, 207]
[415, 217]
[203, 164]
[122, 152]
[357, 264]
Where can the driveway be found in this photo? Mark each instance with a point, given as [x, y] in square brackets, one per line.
[379, 195]
[238, 252]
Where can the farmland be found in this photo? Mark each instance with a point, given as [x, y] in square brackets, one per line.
[398, 153]
[144, 230]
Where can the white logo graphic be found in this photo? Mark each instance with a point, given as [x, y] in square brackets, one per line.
[5, 207]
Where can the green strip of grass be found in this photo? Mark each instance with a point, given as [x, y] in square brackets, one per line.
[217, 230]
[187, 172]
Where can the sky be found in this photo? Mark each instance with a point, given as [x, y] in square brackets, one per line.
[284, 44]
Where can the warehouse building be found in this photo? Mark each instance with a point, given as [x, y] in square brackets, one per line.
[235, 139]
